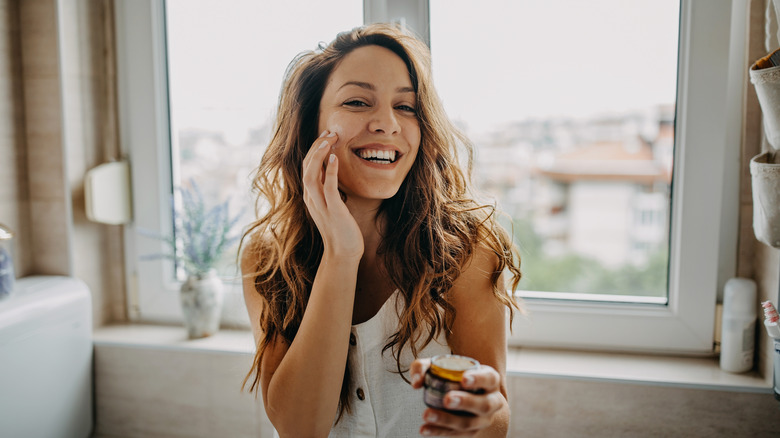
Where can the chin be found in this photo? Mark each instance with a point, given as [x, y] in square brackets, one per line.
[376, 195]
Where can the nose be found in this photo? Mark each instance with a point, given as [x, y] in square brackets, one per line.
[384, 121]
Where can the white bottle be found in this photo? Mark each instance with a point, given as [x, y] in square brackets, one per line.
[738, 336]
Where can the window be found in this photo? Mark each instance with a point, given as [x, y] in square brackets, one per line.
[602, 169]
[216, 71]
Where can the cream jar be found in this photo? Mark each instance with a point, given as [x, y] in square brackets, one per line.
[445, 374]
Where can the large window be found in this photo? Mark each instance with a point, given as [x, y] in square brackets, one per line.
[574, 142]
[606, 129]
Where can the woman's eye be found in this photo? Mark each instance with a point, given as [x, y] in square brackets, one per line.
[357, 103]
[406, 108]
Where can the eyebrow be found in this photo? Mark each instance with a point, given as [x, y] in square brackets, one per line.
[370, 86]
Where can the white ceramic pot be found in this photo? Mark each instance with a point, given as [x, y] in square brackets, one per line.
[201, 303]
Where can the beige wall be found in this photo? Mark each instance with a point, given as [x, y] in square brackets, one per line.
[14, 189]
[57, 121]
[756, 260]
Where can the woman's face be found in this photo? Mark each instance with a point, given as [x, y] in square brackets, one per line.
[370, 103]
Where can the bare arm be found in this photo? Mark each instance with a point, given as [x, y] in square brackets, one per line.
[301, 381]
[479, 331]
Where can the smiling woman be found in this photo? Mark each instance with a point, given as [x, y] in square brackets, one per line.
[372, 256]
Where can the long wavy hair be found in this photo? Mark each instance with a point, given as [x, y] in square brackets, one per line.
[436, 222]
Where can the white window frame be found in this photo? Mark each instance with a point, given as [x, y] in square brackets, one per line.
[711, 90]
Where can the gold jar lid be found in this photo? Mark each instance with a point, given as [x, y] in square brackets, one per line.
[5, 233]
[452, 366]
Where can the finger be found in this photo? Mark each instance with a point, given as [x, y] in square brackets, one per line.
[478, 404]
[417, 372]
[313, 148]
[316, 156]
[452, 423]
[430, 430]
[312, 189]
[331, 184]
[313, 172]
[485, 378]
[318, 150]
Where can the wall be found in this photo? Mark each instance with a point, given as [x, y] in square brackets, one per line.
[57, 120]
[137, 400]
[593, 409]
[88, 78]
[160, 401]
[755, 259]
[14, 190]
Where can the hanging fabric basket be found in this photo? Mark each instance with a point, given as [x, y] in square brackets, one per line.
[765, 174]
[766, 80]
[765, 167]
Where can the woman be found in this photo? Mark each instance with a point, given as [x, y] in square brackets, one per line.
[371, 256]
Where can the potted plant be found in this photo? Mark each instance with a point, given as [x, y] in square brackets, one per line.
[201, 236]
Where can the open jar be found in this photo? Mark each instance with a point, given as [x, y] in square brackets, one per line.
[7, 277]
[444, 375]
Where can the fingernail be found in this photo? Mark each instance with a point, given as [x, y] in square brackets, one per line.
[332, 134]
[323, 144]
[431, 417]
[468, 380]
[416, 379]
[332, 158]
[454, 401]
[323, 133]
[426, 432]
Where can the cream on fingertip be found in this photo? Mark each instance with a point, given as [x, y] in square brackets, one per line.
[324, 144]
[332, 158]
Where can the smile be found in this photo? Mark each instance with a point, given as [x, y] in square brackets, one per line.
[377, 156]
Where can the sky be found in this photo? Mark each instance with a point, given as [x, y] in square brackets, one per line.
[494, 61]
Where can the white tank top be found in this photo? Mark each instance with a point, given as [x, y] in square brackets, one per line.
[382, 403]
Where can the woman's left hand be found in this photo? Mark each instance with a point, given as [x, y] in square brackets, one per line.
[484, 405]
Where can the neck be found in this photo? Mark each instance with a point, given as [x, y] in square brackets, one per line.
[370, 223]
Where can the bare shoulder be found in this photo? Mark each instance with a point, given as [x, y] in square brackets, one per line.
[476, 274]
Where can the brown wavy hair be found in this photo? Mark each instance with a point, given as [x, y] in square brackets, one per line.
[436, 223]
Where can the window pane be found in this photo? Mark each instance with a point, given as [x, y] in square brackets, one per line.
[226, 61]
[571, 107]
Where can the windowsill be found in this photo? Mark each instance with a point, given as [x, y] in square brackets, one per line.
[681, 372]
[684, 372]
[163, 337]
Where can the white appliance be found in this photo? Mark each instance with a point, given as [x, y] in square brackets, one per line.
[46, 359]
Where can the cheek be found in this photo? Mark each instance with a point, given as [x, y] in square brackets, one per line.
[414, 137]
[343, 123]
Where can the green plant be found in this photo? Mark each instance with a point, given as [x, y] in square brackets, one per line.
[201, 234]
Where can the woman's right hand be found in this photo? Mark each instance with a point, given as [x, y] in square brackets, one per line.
[341, 235]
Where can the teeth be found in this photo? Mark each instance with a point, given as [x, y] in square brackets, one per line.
[375, 155]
